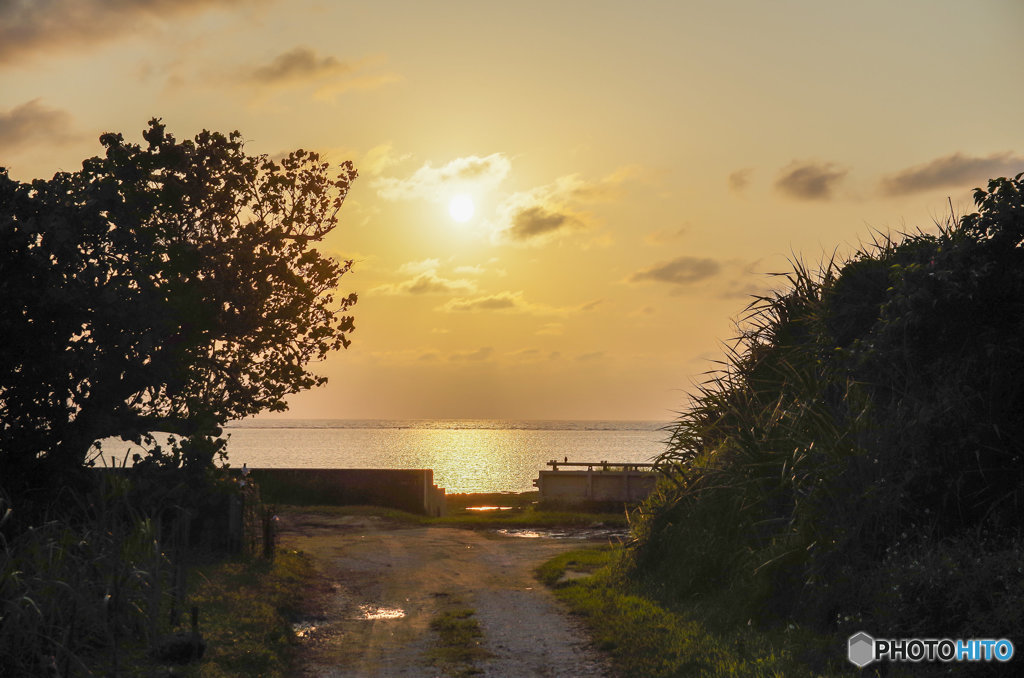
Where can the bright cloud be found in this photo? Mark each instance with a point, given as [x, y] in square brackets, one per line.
[436, 183]
[547, 212]
[505, 302]
[428, 282]
[380, 158]
[416, 267]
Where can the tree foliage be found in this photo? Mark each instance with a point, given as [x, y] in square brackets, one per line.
[170, 286]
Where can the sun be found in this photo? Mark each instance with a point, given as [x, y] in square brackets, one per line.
[461, 208]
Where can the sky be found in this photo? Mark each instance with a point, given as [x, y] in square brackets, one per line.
[635, 171]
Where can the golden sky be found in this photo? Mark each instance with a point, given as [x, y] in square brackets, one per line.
[635, 169]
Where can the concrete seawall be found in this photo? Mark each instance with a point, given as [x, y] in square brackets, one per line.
[627, 486]
[411, 490]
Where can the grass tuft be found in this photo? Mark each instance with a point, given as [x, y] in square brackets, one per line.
[458, 646]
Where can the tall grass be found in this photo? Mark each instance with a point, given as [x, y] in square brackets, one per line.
[71, 593]
[90, 578]
[860, 452]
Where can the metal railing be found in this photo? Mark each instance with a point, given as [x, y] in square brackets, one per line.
[614, 466]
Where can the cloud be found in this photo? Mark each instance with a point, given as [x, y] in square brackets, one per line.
[590, 357]
[952, 171]
[546, 212]
[436, 183]
[428, 282]
[472, 356]
[740, 179]
[32, 122]
[551, 329]
[32, 27]
[408, 356]
[809, 181]
[591, 305]
[746, 280]
[471, 270]
[536, 216]
[502, 301]
[302, 66]
[737, 289]
[572, 187]
[679, 271]
[416, 267]
[298, 64]
[525, 355]
[537, 220]
[380, 158]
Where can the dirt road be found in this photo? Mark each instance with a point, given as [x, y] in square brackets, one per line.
[383, 583]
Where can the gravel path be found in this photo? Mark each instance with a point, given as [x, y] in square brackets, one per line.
[383, 582]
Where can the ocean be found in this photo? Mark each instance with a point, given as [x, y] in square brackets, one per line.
[467, 455]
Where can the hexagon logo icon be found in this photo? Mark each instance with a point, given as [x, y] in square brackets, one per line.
[861, 649]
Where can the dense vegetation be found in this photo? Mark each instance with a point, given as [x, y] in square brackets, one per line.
[857, 464]
[167, 287]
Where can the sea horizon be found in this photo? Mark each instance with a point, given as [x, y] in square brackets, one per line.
[451, 423]
[466, 455]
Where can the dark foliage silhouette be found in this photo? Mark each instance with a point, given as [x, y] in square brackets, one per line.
[169, 286]
[858, 462]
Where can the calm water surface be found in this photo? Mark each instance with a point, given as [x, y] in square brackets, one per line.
[482, 455]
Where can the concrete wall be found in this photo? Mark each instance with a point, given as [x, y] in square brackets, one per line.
[624, 486]
[411, 490]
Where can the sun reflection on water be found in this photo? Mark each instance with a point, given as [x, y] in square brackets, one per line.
[462, 458]
[465, 455]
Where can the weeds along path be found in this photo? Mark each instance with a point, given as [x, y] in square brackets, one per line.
[383, 582]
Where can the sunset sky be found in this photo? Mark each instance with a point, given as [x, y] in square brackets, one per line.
[634, 169]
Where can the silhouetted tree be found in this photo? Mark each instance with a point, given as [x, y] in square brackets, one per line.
[166, 287]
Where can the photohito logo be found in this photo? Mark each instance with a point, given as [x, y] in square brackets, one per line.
[862, 649]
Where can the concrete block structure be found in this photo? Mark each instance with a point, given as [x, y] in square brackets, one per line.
[411, 490]
[601, 481]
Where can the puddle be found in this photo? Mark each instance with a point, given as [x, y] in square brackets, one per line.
[376, 612]
[489, 508]
[583, 533]
[525, 534]
[304, 629]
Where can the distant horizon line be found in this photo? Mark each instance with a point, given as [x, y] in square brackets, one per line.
[294, 418]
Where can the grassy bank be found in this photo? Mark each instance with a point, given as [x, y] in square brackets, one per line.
[858, 462]
[645, 637]
[246, 608]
